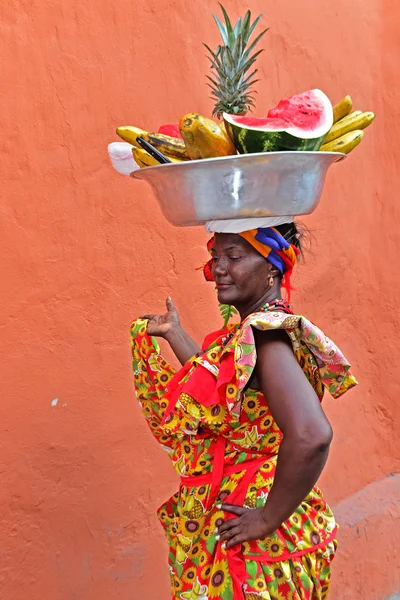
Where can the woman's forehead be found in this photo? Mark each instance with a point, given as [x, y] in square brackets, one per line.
[232, 241]
[223, 241]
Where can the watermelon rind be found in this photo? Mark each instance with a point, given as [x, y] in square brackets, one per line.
[249, 140]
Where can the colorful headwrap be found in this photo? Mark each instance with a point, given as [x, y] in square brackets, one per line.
[272, 246]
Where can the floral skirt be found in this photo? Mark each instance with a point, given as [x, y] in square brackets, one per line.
[202, 569]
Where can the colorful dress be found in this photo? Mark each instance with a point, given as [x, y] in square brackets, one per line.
[223, 442]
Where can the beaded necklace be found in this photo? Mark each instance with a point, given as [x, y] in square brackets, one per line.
[276, 305]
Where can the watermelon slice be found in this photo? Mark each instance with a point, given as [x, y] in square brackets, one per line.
[171, 130]
[297, 123]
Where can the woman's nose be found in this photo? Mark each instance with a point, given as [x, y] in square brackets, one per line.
[220, 267]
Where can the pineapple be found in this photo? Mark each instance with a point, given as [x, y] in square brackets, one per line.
[193, 508]
[251, 500]
[231, 62]
[182, 548]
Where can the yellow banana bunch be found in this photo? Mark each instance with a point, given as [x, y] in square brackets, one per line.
[342, 109]
[347, 129]
[349, 123]
[129, 134]
[144, 159]
[345, 144]
[169, 146]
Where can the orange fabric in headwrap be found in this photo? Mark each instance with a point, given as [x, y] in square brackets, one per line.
[288, 252]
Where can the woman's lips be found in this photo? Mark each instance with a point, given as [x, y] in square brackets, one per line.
[223, 286]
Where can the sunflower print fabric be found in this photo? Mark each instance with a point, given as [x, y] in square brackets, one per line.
[223, 442]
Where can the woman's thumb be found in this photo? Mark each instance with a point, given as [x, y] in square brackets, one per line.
[170, 305]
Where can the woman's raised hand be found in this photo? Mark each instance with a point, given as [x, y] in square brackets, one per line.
[162, 325]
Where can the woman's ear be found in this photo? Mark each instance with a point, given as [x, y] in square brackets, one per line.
[273, 272]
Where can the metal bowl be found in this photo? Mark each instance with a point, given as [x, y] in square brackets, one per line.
[267, 184]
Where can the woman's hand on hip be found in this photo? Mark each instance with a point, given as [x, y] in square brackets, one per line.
[250, 524]
[162, 325]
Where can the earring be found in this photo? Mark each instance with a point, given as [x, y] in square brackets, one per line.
[271, 281]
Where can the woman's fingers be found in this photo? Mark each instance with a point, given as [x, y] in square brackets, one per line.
[231, 508]
[230, 533]
[227, 525]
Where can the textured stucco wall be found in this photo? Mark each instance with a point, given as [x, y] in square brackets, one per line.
[83, 250]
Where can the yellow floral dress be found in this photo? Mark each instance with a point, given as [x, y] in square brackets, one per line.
[223, 442]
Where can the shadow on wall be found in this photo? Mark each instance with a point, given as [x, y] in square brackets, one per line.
[369, 523]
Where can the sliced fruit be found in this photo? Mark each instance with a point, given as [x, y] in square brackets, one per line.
[297, 123]
[356, 121]
[129, 134]
[204, 138]
[172, 130]
[342, 108]
[344, 144]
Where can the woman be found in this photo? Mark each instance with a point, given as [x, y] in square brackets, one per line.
[243, 424]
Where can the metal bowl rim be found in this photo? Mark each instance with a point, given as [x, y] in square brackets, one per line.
[203, 161]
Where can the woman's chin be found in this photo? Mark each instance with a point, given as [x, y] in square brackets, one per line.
[226, 296]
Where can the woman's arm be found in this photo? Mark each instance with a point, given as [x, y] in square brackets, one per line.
[168, 326]
[304, 450]
[297, 411]
[182, 344]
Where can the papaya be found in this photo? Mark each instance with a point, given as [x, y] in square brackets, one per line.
[204, 138]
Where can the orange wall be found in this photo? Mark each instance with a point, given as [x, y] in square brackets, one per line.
[83, 250]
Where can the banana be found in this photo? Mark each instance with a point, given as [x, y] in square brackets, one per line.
[171, 147]
[342, 108]
[129, 134]
[141, 157]
[349, 124]
[350, 115]
[144, 159]
[344, 144]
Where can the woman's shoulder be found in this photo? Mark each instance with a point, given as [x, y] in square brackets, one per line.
[307, 340]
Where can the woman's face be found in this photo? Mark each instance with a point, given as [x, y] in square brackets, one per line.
[241, 274]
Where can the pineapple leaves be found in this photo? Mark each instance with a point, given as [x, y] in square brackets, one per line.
[227, 312]
[238, 26]
[222, 30]
[253, 44]
[230, 32]
[246, 27]
[231, 85]
[254, 25]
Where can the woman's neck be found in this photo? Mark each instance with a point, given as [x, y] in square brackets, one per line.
[269, 297]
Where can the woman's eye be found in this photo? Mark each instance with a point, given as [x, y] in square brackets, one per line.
[235, 257]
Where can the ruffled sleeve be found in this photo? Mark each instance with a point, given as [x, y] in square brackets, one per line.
[151, 376]
[321, 360]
